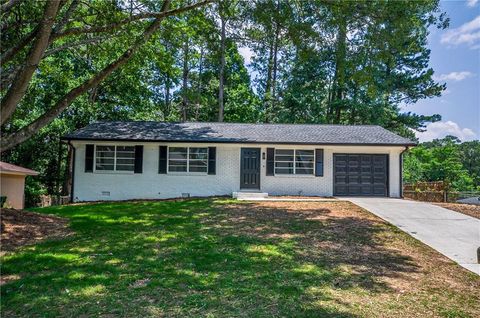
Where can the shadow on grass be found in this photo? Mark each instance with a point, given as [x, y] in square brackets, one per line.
[200, 258]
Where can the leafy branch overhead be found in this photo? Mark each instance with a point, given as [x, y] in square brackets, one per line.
[64, 63]
[42, 37]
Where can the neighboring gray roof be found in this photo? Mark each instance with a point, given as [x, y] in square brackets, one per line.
[238, 133]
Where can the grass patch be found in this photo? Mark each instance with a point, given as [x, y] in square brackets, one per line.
[221, 258]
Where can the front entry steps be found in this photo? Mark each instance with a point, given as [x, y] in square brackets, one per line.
[262, 196]
[247, 196]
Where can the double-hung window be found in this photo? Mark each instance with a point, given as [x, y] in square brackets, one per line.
[290, 161]
[187, 159]
[114, 158]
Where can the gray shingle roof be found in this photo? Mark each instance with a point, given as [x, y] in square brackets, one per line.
[238, 133]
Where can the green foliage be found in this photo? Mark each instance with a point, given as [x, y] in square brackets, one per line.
[381, 63]
[301, 71]
[470, 157]
[445, 160]
[413, 168]
[34, 188]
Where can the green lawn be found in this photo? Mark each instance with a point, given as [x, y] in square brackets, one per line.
[220, 258]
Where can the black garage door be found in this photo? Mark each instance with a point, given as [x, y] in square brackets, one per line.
[360, 174]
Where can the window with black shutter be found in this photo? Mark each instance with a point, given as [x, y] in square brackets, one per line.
[270, 161]
[138, 159]
[162, 159]
[319, 162]
[89, 153]
[212, 160]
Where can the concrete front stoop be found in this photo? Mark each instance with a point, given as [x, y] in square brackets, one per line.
[249, 196]
[262, 196]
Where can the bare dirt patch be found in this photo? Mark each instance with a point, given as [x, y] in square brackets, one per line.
[21, 228]
[468, 209]
[377, 256]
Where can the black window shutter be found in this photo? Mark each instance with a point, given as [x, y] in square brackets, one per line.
[270, 161]
[212, 160]
[138, 159]
[162, 160]
[89, 152]
[319, 162]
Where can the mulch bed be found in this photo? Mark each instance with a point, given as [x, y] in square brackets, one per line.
[468, 209]
[19, 228]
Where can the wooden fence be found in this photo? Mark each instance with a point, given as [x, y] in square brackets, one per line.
[49, 200]
[428, 191]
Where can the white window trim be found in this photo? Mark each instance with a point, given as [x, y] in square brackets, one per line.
[114, 171]
[294, 174]
[185, 173]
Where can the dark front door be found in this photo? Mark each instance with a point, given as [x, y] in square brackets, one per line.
[360, 174]
[250, 168]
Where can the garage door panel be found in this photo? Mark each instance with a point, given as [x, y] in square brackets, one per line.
[341, 190]
[341, 169]
[366, 160]
[354, 189]
[379, 179]
[366, 179]
[379, 170]
[353, 169]
[353, 179]
[367, 189]
[339, 179]
[360, 174]
[379, 190]
[366, 169]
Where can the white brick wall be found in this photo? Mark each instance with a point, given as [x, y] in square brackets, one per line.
[151, 185]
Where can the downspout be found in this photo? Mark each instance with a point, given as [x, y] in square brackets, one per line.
[73, 171]
[401, 170]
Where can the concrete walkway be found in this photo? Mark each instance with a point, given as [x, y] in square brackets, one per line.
[453, 234]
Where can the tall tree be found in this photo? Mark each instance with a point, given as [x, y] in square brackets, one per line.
[270, 23]
[374, 58]
[185, 73]
[221, 76]
[42, 38]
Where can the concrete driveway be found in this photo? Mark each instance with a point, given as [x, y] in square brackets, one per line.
[453, 234]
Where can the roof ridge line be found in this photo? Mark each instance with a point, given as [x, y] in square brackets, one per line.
[230, 123]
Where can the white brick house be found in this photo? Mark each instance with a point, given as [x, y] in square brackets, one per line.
[156, 160]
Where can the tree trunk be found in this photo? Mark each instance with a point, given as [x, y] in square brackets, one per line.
[340, 61]
[14, 139]
[353, 111]
[222, 70]
[67, 180]
[199, 86]
[388, 72]
[7, 6]
[20, 84]
[185, 81]
[268, 84]
[167, 94]
[329, 101]
[26, 132]
[58, 173]
[10, 53]
[275, 68]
